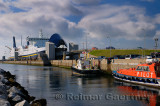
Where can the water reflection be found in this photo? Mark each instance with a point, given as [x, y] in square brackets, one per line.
[147, 95]
[45, 82]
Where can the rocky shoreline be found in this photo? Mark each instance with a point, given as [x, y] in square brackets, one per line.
[13, 94]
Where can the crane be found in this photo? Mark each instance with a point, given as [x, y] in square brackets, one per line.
[8, 47]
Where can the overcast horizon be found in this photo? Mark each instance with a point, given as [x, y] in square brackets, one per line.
[128, 23]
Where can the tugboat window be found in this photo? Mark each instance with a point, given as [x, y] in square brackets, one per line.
[142, 68]
[139, 68]
[146, 68]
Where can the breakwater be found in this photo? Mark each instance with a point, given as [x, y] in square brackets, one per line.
[103, 64]
[13, 94]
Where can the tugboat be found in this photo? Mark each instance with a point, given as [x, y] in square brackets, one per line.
[145, 74]
[84, 68]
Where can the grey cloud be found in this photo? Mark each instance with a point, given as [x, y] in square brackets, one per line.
[120, 22]
[86, 2]
[57, 7]
[3, 7]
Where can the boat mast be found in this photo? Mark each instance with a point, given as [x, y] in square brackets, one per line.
[40, 34]
[21, 40]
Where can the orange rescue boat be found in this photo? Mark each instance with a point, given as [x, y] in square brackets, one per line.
[145, 74]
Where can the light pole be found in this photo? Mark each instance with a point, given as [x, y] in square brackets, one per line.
[144, 40]
[156, 44]
[109, 44]
[86, 40]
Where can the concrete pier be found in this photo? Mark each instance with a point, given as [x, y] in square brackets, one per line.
[103, 64]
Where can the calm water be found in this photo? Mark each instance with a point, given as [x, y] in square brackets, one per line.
[61, 88]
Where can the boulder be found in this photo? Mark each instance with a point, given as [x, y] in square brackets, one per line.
[17, 98]
[3, 91]
[3, 96]
[15, 90]
[23, 103]
[1, 77]
[40, 102]
[2, 71]
[4, 102]
[11, 94]
[4, 81]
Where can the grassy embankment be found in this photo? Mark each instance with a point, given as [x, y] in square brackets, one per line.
[120, 52]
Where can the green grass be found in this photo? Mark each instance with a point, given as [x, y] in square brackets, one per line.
[120, 52]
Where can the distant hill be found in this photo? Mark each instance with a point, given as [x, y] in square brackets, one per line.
[121, 52]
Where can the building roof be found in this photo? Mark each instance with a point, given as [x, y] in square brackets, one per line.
[57, 40]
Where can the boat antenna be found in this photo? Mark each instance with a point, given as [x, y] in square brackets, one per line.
[40, 34]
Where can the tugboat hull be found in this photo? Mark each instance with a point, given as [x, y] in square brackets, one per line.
[137, 80]
[85, 72]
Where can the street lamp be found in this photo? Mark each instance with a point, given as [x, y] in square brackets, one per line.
[144, 40]
[156, 44]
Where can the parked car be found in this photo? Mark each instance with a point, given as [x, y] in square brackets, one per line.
[101, 57]
[110, 47]
[148, 57]
[131, 56]
[150, 60]
[155, 54]
[119, 57]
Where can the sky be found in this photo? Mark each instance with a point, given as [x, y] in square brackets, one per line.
[128, 24]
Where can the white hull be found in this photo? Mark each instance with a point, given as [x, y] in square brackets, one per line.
[141, 83]
[26, 52]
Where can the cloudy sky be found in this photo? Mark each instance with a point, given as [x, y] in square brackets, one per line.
[128, 23]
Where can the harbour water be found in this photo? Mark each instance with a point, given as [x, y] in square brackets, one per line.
[61, 88]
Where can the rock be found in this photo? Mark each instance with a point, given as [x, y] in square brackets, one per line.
[14, 98]
[15, 90]
[4, 102]
[4, 81]
[3, 96]
[11, 94]
[19, 91]
[8, 75]
[11, 80]
[3, 92]
[8, 87]
[3, 87]
[2, 71]
[1, 77]
[40, 102]
[31, 98]
[17, 98]
[23, 103]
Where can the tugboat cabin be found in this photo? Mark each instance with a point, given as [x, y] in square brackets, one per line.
[150, 70]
